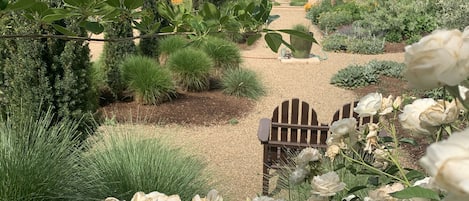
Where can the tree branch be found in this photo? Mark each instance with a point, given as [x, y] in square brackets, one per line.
[65, 37]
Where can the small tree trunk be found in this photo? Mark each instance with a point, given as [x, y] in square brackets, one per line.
[332, 2]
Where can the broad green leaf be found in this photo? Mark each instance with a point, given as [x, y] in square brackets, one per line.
[373, 180]
[53, 17]
[94, 27]
[253, 38]
[112, 15]
[272, 18]
[75, 3]
[211, 11]
[387, 139]
[21, 4]
[355, 189]
[59, 11]
[224, 19]
[306, 36]
[352, 169]
[409, 141]
[133, 4]
[274, 40]
[63, 30]
[39, 7]
[414, 174]
[416, 192]
[3, 4]
[167, 29]
[338, 167]
[114, 3]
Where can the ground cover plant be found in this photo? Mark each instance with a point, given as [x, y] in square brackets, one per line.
[354, 76]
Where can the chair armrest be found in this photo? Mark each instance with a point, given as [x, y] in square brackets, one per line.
[264, 130]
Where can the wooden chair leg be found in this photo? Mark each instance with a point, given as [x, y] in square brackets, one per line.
[265, 180]
[265, 172]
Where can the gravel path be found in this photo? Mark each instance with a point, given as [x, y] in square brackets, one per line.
[233, 152]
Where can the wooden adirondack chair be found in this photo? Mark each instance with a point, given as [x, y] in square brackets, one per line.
[294, 126]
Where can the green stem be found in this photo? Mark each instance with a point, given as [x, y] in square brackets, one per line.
[372, 168]
[395, 158]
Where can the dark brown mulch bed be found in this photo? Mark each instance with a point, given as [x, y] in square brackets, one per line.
[394, 47]
[202, 108]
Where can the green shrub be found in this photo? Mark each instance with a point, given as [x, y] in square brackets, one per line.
[38, 159]
[243, 83]
[191, 68]
[225, 54]
[329, 21]
[47, 74]
[413, 39]
[170, 44]
[368, 45]
[315, 11]
[122, 164]
[452, 14]
[335, 42]
[150, 83]
[298, 2]
[393, 37]
[387, 68]
[405, 18]
[354, 76]
[115, 52]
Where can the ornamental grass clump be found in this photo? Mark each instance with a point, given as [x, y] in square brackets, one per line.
[150, 83]
[38, 159]
[121, 164]
[191, 69]
[169, 45]
[224, 53]
[242, 83]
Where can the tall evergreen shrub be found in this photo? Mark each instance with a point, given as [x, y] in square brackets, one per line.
[115, 52]
[149, 46]
[46, 73]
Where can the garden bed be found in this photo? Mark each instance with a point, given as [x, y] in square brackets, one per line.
[202, 108]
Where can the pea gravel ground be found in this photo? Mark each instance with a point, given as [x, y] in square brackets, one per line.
[233, 152]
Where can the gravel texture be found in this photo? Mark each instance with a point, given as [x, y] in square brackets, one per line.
[233, 152]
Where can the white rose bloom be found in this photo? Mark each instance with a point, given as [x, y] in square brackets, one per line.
[308, 155]
[298, 176]
[386, 105]
[447, 161]
[212, 195]
[327, 184]
[371, 137]
[141, 196]
[443, 112]
[436, 60]
[343, 127]
[382, 194]
[332, 151]
[462, 91]
[369, 105]
[397, 103]
[410, 117]
[265, 198]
